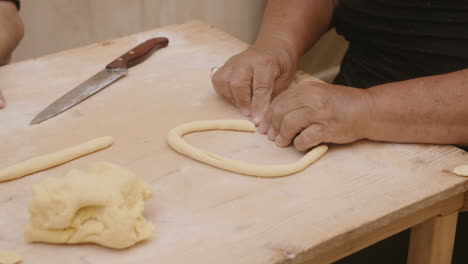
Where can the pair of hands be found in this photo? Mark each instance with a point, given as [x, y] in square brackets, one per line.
[307, 114]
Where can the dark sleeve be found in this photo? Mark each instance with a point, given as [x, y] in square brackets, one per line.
[16, 2]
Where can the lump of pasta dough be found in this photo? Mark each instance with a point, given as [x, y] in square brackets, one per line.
[102, 205]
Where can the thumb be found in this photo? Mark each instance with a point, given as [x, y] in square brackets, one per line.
[262, 88]
[309, 137]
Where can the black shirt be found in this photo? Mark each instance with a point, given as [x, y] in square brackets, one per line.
[395, 40]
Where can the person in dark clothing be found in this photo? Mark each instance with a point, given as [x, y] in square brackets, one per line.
[410, 57]
[400, 40]
[11, 33]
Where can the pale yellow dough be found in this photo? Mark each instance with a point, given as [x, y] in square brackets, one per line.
[9, 257]
[178, 144]
[461, 170]
[53, 159]
[102, 205]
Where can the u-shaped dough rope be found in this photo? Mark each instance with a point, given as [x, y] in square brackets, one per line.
[178, 144]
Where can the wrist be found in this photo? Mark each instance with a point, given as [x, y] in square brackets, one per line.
[278, 44]
[367, 113]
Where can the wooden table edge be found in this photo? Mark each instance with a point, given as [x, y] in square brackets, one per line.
[446, 204]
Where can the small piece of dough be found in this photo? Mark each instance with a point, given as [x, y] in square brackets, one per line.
[461, 170]
[53, 159]
[178, 144]
[9, 257]
[102, 205]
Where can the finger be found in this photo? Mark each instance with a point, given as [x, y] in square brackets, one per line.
[309, 137]
[220, 82]
[265, 125]
[265, 122]
[281, 84]
[285, 103]
[262, 87]
[293, 124]
[272, 134]
[2, 100]
[241, 88]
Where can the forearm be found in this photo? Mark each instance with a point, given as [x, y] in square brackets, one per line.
[423, 110]
[11, 30]
[295, 24]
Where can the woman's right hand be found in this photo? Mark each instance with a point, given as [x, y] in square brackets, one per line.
[251, 79]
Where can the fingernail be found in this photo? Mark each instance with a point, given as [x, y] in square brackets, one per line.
[271, 134]
[278, 139]
[214, 70]
[256, 120]
[245, 112]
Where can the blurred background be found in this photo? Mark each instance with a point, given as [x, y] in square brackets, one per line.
[56, 25]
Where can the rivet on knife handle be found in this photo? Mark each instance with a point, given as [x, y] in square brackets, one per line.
[138, 54]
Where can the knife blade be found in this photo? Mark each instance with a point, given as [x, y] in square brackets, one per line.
[112, 72]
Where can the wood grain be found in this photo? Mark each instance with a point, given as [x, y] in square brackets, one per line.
[380, 229]
[202, 214]
[432, 241]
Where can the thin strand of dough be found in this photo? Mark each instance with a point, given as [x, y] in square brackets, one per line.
[176, 141]
[461, 170]
[53, 159]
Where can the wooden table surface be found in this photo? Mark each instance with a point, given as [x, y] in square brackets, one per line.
[203, 214]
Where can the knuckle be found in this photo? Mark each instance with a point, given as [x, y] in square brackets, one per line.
[258, 107]
[299, 144]
[265, 58]
[288, 126]
[318, 104]
[307, 138]
[242, 100]
[316, 100]
[261, 90]
[311, 88]
[239, 84]
[218, 78]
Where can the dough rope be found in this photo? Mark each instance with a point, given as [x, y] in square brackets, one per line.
[53, 159]
[178, 144]
[10, 257]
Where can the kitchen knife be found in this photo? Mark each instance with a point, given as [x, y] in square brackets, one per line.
[111, 73]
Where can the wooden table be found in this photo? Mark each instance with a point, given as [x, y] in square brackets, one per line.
[356, 195]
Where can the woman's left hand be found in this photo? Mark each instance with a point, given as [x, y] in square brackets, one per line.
[313, 113]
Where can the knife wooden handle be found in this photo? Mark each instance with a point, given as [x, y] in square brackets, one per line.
[138, 53]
